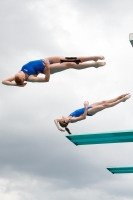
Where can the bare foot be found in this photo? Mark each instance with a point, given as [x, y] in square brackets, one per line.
[99, 64]
[123, 95]
[96, 58]
[126, 97]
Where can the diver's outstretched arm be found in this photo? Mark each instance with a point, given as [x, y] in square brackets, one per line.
[9, 81]
[56, 123]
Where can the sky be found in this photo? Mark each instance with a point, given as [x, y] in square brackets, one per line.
[36, 160]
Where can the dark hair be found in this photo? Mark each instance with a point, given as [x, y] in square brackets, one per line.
[64, 125]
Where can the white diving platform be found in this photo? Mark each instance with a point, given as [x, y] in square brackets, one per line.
[121, 170]
[131, 38]
[102, 137]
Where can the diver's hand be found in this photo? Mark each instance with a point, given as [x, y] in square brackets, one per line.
[86, 104]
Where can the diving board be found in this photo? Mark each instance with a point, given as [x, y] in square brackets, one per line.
[120, 170]
[102, 138]
[131, 38]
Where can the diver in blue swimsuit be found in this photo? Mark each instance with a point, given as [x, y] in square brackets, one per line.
[30, 71]
[91, 110]
[34, 67]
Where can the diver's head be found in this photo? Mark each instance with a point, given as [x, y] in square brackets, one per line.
[64, 121]
[19, 78]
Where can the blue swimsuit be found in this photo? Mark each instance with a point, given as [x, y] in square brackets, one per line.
[79, 112]
[34, 67]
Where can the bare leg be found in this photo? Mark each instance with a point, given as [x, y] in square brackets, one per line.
[109, 101]
[107, 104]
[56, 59]
[57, 67]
